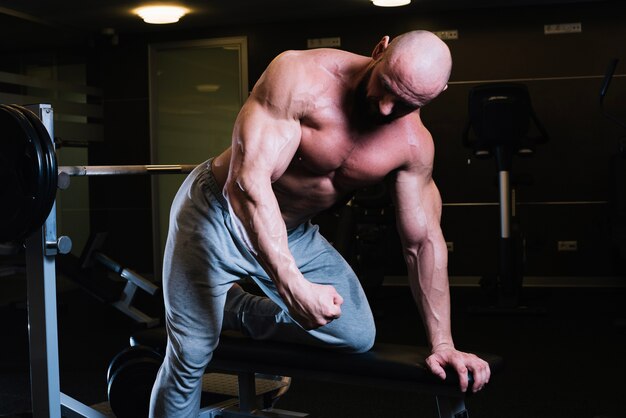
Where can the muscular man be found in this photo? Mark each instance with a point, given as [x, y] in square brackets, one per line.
[318, 125]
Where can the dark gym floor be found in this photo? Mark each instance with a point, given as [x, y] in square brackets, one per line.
[569, 362]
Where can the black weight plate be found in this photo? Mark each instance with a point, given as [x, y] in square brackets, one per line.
[129, 354]
[50, 169]
[39, 214]
[21, 162]
[130, 387]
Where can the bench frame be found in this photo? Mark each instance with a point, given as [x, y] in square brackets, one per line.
[450, 401]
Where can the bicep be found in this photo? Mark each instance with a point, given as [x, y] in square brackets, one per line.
[418, 207]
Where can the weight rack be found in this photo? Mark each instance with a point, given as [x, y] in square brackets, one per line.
[42, 246]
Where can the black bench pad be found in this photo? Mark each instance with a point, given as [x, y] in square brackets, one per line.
[391, 363]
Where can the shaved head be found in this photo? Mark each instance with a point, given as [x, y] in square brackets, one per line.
[419, 63]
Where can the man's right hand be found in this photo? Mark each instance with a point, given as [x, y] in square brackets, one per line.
[313, 305]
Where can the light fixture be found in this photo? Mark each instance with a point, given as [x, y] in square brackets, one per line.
[390, 3]
[161, 13]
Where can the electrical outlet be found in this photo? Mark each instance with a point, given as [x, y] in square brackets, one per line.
[559, 28]
[450, 246]
[567, 245]
[447, 34]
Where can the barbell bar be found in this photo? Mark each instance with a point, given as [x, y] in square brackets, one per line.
[117, 170]
[65, 172]
[30, 176]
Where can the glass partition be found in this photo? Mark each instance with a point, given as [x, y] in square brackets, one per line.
[196, 91]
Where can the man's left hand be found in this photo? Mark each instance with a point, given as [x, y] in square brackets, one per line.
[462, 363]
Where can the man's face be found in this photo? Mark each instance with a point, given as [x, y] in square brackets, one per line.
[386, 97]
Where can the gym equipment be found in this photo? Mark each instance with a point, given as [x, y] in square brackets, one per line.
[28, 172]
[92, 272]
[29, 177]
[606, 83]
[386, 366]
[359, 231]
[130, 377]
[132, 373]
[500, 116]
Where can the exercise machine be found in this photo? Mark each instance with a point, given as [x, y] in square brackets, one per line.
[500, 116]
[92, 270]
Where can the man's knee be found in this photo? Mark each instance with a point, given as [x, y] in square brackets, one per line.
[365, 340]
[360, 339]
[190, 358]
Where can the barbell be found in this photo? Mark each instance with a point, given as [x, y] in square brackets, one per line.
[30, 176]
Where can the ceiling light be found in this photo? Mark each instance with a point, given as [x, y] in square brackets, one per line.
[390, 3]
[161, 14]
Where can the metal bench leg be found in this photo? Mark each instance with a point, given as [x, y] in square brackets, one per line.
[247, 392]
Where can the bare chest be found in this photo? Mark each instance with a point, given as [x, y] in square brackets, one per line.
[347, 158]
[332, 161]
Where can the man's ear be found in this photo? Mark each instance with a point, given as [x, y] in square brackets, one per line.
[380, 47]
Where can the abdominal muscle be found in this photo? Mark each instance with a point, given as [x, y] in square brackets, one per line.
[300, 198]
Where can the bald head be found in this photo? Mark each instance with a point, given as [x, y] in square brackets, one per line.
[420, 63]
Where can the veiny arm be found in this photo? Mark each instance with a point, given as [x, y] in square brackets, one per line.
[266, 137]
[418, 210]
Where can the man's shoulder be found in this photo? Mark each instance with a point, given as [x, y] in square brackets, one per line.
[412, 128]
[296, 79]
[313, 63]
[314, 55]
[417, 143]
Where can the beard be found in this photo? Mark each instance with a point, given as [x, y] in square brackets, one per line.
[366, 111]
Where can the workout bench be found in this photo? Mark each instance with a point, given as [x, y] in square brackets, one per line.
[390, 366]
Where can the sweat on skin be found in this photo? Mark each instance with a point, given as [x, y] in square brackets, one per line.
[320, 124]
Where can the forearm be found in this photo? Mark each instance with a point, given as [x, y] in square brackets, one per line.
[428, 277]
[259, 224]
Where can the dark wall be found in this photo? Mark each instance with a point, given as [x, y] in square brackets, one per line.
[567, 184]
[122, 205]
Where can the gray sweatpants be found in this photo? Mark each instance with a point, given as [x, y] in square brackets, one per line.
[203, 258]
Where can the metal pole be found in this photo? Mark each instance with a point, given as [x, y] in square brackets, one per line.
[117, 170]
[42, 323]
[505, 204]
[42, 314]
